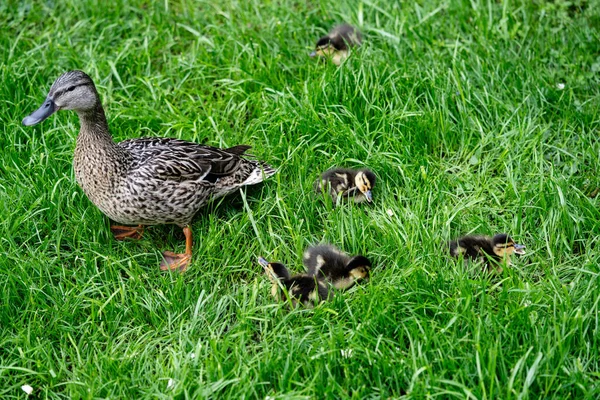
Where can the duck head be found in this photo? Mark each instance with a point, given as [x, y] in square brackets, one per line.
[327, 47]
[274, 270]
[337, 43]
[359, 267]
[364, 181]
[505, 245]
[73, 90]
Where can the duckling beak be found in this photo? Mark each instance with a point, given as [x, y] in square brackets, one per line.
[369, 196]
[313, 54]
[46, 110]
[519, 248]
[263, 262]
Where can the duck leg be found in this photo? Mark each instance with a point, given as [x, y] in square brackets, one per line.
[121, 232]
[173, 261]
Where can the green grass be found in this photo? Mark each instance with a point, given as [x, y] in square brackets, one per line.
[457, 106]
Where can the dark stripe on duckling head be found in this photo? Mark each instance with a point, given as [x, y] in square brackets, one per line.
[359, 267]
[358, 261]
[324, 42]
[370, 177]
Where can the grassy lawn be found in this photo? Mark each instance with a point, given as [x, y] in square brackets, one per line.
[477, 117]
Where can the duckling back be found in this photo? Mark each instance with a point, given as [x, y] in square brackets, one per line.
[471, 247]
[325, 260]
[301, 288]
[305, 289]
[329, 263]
[478, 248]
[345, 35]
[337, 182]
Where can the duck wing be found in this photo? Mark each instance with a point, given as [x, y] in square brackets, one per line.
[180, 160]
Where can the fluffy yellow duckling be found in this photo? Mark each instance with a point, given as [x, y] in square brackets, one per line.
[338, 268]
[337, 43]
[302, 288]
[347, 183]
[490, 250]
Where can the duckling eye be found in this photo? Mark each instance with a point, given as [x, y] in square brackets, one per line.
[70, 88]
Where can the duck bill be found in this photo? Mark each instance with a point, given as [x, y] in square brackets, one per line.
[47, 109]
[313, 54]
[369, 196]
[519, 249]
[263, 262]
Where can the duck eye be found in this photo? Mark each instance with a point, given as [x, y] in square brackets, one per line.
[71, 88]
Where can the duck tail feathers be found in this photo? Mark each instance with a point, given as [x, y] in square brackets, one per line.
[261, 172]
[238, 150]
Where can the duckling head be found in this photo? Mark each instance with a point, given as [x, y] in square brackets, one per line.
[73, 90]
[274, 270]
[336, 44]
[504, 245]
[359, 267]
[335, 49]
[364, 181]
[324, 48]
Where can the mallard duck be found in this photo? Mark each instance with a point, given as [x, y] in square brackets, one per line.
[336, 44]
[484, 248]
[338, 268]
[345, 183]
[146, 181]
[302, 288]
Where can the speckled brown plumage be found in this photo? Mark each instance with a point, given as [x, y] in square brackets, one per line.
[144, 181]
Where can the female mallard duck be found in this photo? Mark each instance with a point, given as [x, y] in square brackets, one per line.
[337, 43]
[337, 267]
[145, 181]
[302, 288]
[484, 248]
[344, 183]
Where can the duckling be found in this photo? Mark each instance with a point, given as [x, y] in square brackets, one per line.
[345, 182]
[302, 288]
[147, 181]
[337, 43]
[338, 268]
[489, 250]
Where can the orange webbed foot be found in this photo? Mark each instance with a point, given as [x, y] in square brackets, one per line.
[121, 232]
[173, 261]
